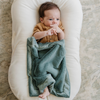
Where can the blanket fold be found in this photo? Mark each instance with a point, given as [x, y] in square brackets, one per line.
[46, 66]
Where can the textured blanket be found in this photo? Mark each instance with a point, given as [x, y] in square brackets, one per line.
[46, 66]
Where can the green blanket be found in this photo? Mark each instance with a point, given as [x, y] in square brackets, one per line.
[46, 66]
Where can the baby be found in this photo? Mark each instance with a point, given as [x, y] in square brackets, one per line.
[49, 29]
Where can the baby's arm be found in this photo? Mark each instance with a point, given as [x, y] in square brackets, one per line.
[61, 35]
[39, 35]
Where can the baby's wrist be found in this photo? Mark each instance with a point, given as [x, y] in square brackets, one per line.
[46, 33]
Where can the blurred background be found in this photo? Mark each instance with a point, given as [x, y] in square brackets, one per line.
[89, 50]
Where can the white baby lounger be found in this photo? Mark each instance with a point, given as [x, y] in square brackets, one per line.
[24, 18]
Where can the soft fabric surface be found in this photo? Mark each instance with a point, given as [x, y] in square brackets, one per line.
[24, 18]
[46, 66]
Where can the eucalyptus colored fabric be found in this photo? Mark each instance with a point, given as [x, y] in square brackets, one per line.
[46, 66]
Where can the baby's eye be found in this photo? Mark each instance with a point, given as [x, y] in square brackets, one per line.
[57, 19]
[50, 19]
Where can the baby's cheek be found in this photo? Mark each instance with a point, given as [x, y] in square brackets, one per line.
[58, 23]
[48, 23]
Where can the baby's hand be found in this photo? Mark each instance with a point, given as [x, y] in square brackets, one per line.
[51, 31]
[55, 26]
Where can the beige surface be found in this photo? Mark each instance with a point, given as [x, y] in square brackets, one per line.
[89, 50]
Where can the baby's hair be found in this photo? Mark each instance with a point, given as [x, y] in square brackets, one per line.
[47, 6]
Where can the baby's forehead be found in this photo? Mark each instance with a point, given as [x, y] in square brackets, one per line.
[52, 13]
[52, 16]
[52, 10]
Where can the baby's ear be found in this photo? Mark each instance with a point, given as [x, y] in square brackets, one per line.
[41, 19]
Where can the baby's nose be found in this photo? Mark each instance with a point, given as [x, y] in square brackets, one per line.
[54, 21]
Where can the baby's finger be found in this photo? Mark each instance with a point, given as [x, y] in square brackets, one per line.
[51, 29]
[51, 25]
[54, 31]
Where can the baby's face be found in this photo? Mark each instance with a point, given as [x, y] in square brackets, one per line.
[51, 17]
